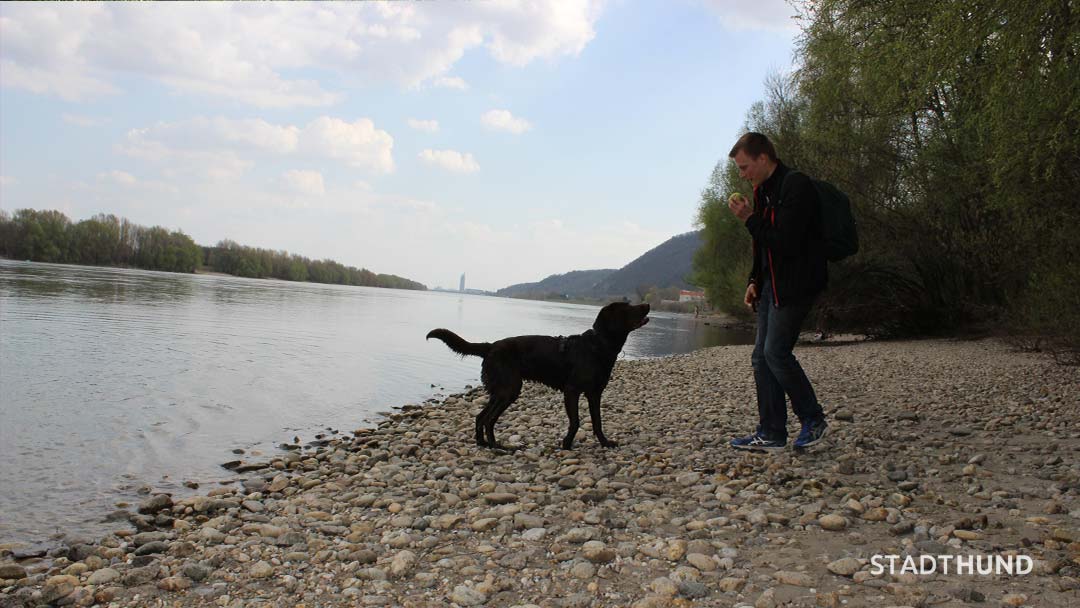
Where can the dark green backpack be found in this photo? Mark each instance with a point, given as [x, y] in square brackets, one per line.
[837, 222]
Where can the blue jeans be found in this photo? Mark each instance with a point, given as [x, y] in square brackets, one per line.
[776, 370]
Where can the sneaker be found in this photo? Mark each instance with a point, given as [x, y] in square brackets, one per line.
[812, 432]
[757, 441]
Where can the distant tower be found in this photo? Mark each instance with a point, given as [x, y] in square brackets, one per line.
[462, 286]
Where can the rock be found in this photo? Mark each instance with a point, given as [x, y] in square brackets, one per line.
[693, 589]
[196, 572]
[596, 552]
[145, 538]
[500, 498]
[664, 586]
[103, 577]
[897, 475]
[583, 570]
[846, 566]
[701, 562]
[151, 548]
[254, 484]
[157, 503]
[1014, 599]
[141, 575]
[261, 569]
[834, 523]
[828, 600]
[901, 528]
[12, 571]
[766, 600]
[467, 596]
[577, 536]
[253, 506]
[967, 594]
[676, 549]
[57, 587]
[798, 579]
[758, 518]
[174, 583]
[876, 514]
[731, 584]
[484, 524]
[402, 563]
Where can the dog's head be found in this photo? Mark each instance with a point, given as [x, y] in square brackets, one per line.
[618, 319]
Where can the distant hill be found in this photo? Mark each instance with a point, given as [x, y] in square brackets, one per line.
[576, 283]
[666, 265]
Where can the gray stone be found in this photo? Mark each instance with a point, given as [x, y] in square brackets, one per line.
[467, 596]
[12, 571]
[155, 504]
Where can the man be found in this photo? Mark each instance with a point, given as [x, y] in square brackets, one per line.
[789, 271]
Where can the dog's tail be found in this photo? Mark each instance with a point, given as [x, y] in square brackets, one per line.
[459, 345]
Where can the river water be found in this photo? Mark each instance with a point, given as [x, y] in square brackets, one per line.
[116, 379]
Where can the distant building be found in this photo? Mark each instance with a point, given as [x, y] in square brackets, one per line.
[691, 296]
[461, 287]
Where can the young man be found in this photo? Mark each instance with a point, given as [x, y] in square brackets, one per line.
[789, 271]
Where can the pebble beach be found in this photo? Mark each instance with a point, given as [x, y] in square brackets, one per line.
[936, 447]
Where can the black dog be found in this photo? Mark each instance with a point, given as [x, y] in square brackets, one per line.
[573, 364]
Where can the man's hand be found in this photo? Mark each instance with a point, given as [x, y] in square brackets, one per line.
[751, 295]
[740, 207]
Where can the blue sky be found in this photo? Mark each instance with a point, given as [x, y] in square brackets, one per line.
[505, 140]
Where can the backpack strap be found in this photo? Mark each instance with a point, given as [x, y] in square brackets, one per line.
[784, 185]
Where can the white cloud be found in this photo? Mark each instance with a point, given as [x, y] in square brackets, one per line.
[358, 144]
[431, 126]
[450, 82]
[304, 182]
[117, 177]
[83, 121]
[771, 15]
[7, 180]
[451, 160]
[503, 120]
[218, 143]
[257, 53]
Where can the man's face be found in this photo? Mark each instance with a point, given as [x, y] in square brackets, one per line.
[753, 169]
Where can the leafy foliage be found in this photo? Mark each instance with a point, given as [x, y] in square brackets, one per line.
[953, 127]
[49, 236]
[106, 240]
[232, 258]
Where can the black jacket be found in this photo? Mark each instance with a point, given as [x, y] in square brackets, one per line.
[788, 243]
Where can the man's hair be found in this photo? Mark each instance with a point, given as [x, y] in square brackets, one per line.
[754, 145]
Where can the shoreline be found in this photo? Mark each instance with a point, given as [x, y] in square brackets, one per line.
[935, 447]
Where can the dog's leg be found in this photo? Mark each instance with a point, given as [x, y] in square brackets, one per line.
[481, 419]
[571, 401]
[511, 391]
[597, 427]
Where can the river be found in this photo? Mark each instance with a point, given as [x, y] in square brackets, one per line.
[112, 380]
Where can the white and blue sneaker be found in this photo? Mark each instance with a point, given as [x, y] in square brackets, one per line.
[812, 433]
[757, 441]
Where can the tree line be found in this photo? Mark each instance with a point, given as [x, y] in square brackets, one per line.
[107, 240]
[232, 258]
[103, 240]
[953, 127]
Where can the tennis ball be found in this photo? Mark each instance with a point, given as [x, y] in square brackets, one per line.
[734, 195]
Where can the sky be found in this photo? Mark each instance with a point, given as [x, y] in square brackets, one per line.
[504, 140]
